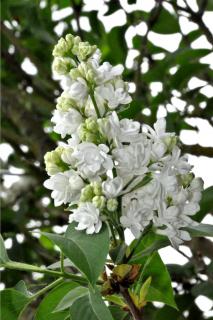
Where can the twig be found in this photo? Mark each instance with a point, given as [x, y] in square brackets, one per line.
[196, 17]
[136, 313]
[150, 23]
[197, 150]
[77, 13]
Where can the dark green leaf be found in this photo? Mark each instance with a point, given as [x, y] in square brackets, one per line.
[160, 288]
[191, 55]
[71, 297]
[117, 313]
[13, 303]
[87, 252]
[167, 23]
[204, 288]
[149, 243]
[57, 265]
[118, 253]
[51, 300]
[3, 253]
[202, 230]
[185, 72]
[90, 307]
[206, 204]
[21, 287]
[208, 6]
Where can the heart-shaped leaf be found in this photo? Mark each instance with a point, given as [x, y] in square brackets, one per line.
[87, 252]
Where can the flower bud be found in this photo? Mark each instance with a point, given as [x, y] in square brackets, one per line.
[64, 46]
[76, 40]
[83, 50]
[86, 71]
[97, 188]
[82, 132]
[170, 141]
[75, 74]
[53, 161]
[186, 179]
[112, 205]
[86, 194]
[64, 103]
[99, 201]
[70, 39]
[91, 137]
[67, 156]
[62, 65]
[91, 124]
[60, 48]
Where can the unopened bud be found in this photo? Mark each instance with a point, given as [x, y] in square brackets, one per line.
[97, 188]
[99, 201]
[112, 205]
[86, 194]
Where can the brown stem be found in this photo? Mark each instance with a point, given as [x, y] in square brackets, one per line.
[136, 313]
[141, 88]
[198, 150]
[196, 17]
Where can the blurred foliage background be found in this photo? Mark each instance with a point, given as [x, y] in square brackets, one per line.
[123, 30]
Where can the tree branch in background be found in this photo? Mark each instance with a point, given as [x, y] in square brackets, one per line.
[26, 53]
[77, 13]
[196, 17]
[141, 88]
[198, 150]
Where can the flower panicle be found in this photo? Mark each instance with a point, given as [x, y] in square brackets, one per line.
[113, 169]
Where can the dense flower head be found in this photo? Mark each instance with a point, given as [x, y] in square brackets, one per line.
[112, 169]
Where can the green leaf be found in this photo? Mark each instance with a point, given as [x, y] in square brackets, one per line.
[191, 55]
[51, 300]
[149, 243]
[71, 297]
[13, 303]
[21, 287]
[186, 271]
[98, 305]
[87, 252]
[209, 5]
[185, 72]
[118, 313]
[57, 265]
[116, 299]
[206, 205]
[160, 288]
[204, 288]
[167, 23]
[3, 253]
[202, 230]
[91, 306]
[117, 253]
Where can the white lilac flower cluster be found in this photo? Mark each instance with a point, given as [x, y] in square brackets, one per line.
[110, 167]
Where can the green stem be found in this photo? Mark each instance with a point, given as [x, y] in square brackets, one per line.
[41, 292]
[62, 261]
[47, 288]
[113, 233]
[94, 103]
[27, 267]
